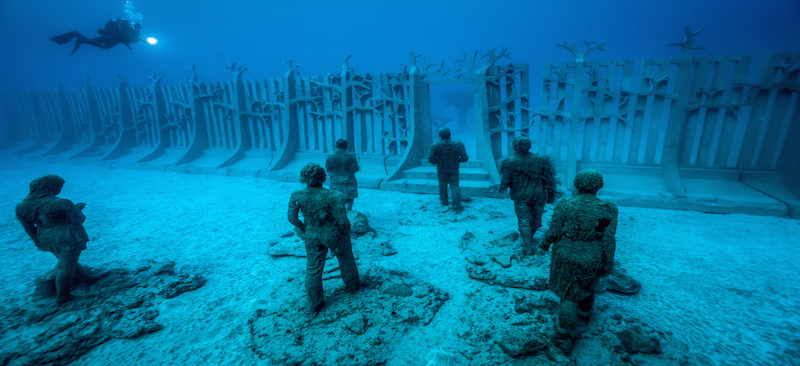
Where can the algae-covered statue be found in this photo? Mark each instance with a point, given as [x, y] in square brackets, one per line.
[582, 233]
[342, 167]
[446, 155]
[325, 228]
[532, 183]
[56, 225]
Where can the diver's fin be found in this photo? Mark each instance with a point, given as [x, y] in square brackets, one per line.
[78, 42]
[66, 37]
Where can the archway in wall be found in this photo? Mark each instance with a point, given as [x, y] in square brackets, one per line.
[452, 106]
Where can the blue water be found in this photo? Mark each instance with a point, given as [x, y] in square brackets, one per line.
[380, 34]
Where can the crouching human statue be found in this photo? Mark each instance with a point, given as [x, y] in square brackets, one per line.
[325, 228]
[582, 233]
[56, 225]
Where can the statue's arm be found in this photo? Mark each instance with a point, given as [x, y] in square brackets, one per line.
[353, 164]
[30, 229]
[294, 213]
[432, 156]
[462, 152]
[73, 211]
[555, 231]
[28, 226]
[340, 213]
[505, 177]
[549, 177]
[610, 241]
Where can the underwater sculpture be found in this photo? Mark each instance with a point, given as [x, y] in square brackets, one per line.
[56, 225]
[326, 227]
[446, 155]
[582, 233]
[531, 178]
[342, 167]
[116, 31]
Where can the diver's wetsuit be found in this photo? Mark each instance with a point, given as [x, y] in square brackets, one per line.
[116, 31]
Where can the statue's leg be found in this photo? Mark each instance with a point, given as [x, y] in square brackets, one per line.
[565, 331]
[315, 264]
[537, 210]
[456, 191]
[81, 274]
[525, 230]
[347, 266]
[585, 307]
[65, 271]
[567, 315]
[442, 187]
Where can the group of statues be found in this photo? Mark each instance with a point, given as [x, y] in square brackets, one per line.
[582, 230]
[581, 234]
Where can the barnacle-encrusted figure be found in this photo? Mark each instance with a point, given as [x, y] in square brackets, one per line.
[342, 167]
[56, 225]
[325, 228]
[446, 155]
[532, 183]
[582, 233]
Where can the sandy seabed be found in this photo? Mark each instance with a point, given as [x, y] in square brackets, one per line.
[723, 286]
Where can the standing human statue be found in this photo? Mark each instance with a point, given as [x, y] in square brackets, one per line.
[326, 227]
[582, 233]
[532, 183]
[342, 167]
[446, 154]
[56, 225]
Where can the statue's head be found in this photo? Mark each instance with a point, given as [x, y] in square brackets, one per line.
[313, 175]
[341, 144]
[444, 133]
[588, 181]
[47, 185]
[521, 144]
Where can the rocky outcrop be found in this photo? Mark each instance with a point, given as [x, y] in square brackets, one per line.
[121, 305]
[360, 328]
[499, 262]
[359, 225]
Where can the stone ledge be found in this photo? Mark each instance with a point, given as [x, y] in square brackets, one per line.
[708, 190]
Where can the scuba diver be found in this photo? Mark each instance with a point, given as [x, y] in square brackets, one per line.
[116, 31]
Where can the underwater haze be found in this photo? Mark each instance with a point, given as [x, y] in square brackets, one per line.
[262, 35]
[185, 187]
